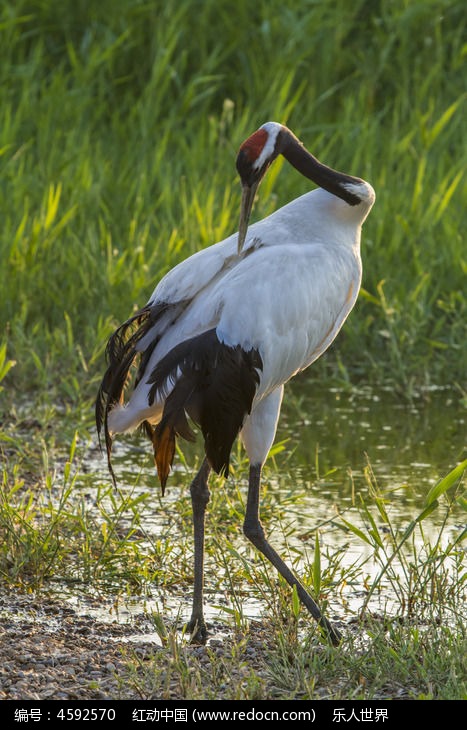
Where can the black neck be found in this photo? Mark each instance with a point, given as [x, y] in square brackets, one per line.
[331, 180]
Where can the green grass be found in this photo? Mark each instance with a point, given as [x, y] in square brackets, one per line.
[78, 536]
[119, 125]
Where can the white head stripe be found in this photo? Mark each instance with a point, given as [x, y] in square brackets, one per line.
[273, 129]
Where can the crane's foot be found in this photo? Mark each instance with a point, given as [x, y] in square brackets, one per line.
[197, 630]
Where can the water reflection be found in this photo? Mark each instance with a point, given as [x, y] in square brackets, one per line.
[331, 437]
[412, 444]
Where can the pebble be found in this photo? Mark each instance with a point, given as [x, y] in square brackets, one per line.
[66, 658]
[49, 653]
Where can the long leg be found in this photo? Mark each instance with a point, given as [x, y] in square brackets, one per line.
[199, 498]
[253, 530]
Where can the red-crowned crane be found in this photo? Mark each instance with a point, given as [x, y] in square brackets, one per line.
[226, 329]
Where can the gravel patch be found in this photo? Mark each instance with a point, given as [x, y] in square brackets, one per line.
[47, 651]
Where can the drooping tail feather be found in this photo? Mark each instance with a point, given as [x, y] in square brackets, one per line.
[121, 352]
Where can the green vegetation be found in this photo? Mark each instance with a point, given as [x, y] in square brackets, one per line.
[119, 125]
[87, 538]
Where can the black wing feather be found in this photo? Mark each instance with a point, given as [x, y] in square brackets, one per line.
[211, 382]
[201, 378]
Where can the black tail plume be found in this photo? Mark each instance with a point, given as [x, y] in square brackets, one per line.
[121, 352]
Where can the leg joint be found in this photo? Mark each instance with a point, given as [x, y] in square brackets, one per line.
[199, 486]
[199, 492]
[253, 530]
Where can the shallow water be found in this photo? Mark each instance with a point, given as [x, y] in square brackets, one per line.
[330, 438]
[409, 446]
[333, 440]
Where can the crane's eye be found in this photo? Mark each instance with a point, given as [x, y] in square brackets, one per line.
[249, 174]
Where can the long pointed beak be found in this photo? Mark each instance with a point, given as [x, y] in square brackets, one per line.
[248, 196]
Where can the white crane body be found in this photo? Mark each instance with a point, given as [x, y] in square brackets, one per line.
[225, 329]
[287, 295]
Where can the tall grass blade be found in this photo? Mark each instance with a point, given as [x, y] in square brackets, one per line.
[446, 483]
[317, 566]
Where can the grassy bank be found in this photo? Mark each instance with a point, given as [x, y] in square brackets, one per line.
[403, 625]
